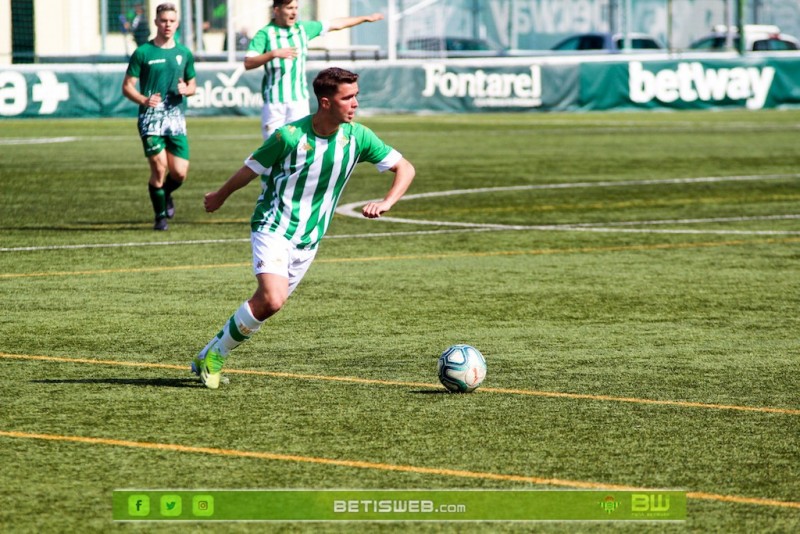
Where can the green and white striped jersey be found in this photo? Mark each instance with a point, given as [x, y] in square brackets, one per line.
[159, 70]
[285, 79]
[303, 175]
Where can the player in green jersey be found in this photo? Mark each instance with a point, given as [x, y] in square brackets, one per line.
[304, 167]
[281, 48]
[164, 71]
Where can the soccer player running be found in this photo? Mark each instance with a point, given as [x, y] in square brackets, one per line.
[281, 47]
[304, 167]
[164, 71]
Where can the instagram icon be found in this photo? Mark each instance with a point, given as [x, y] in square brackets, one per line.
[203, 505]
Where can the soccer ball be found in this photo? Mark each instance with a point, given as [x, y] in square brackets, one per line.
[461, 368]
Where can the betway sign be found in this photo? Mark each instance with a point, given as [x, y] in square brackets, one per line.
[487, 89]
[690, 82]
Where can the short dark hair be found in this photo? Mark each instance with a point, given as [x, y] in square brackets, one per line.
[167, 6]
[280, 3]
[328, 81]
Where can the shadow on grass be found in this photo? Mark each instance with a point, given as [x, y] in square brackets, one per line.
[433, 392]
[157, 382]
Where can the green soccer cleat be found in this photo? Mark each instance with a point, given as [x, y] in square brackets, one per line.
[208, 367]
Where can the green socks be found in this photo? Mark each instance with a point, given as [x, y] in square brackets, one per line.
[159, 199]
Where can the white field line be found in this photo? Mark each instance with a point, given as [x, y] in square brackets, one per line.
[551, 127]
[37, 140]
[256, 138]
[122, 245]
[352, 210]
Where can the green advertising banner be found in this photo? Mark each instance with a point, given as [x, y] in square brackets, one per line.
[519, 85]
[433, 87]
[398, 505]
[64, 91]
[752, 83]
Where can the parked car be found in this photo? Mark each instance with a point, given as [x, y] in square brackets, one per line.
[450, 47]
[607, 42]
[758, 38]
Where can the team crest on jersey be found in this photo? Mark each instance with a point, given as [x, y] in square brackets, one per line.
[342, 141]
[307, 147]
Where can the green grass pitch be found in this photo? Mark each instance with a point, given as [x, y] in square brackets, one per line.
[632, 279]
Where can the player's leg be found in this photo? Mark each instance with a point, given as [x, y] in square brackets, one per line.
[157, 159]
[270, 295]
[178, 166]
[296, 111]
[279, 268]
[271, 267]
[277, 276]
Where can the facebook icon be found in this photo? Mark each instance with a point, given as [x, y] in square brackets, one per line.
[139, 505]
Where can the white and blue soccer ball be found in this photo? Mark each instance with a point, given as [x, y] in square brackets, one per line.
[461, 368]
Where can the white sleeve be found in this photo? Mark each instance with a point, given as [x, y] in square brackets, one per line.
[389, 161]
[254, 166]
[326, 27]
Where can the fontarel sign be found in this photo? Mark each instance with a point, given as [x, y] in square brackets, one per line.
[487, 89]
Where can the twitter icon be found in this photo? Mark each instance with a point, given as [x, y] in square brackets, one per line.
[171, 505]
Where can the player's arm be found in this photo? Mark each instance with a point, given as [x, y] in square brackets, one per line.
[187, 88]
[253, 60]
[130, 92]
[215, 199]
[404, 173]
[349, 22]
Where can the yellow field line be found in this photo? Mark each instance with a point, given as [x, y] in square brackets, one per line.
[534, 252]
[384, 467]
[356, 380]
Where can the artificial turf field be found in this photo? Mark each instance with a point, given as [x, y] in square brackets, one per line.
[633, 281]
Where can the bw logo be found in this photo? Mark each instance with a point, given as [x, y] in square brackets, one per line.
[649, 502]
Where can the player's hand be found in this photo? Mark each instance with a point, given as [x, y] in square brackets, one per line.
[285, 53]
[375, 17]
[182, 86]
[373, 210]
[213, 201]
[153, 100]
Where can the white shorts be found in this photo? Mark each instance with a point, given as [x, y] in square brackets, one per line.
[272, 254]
[275, 115]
